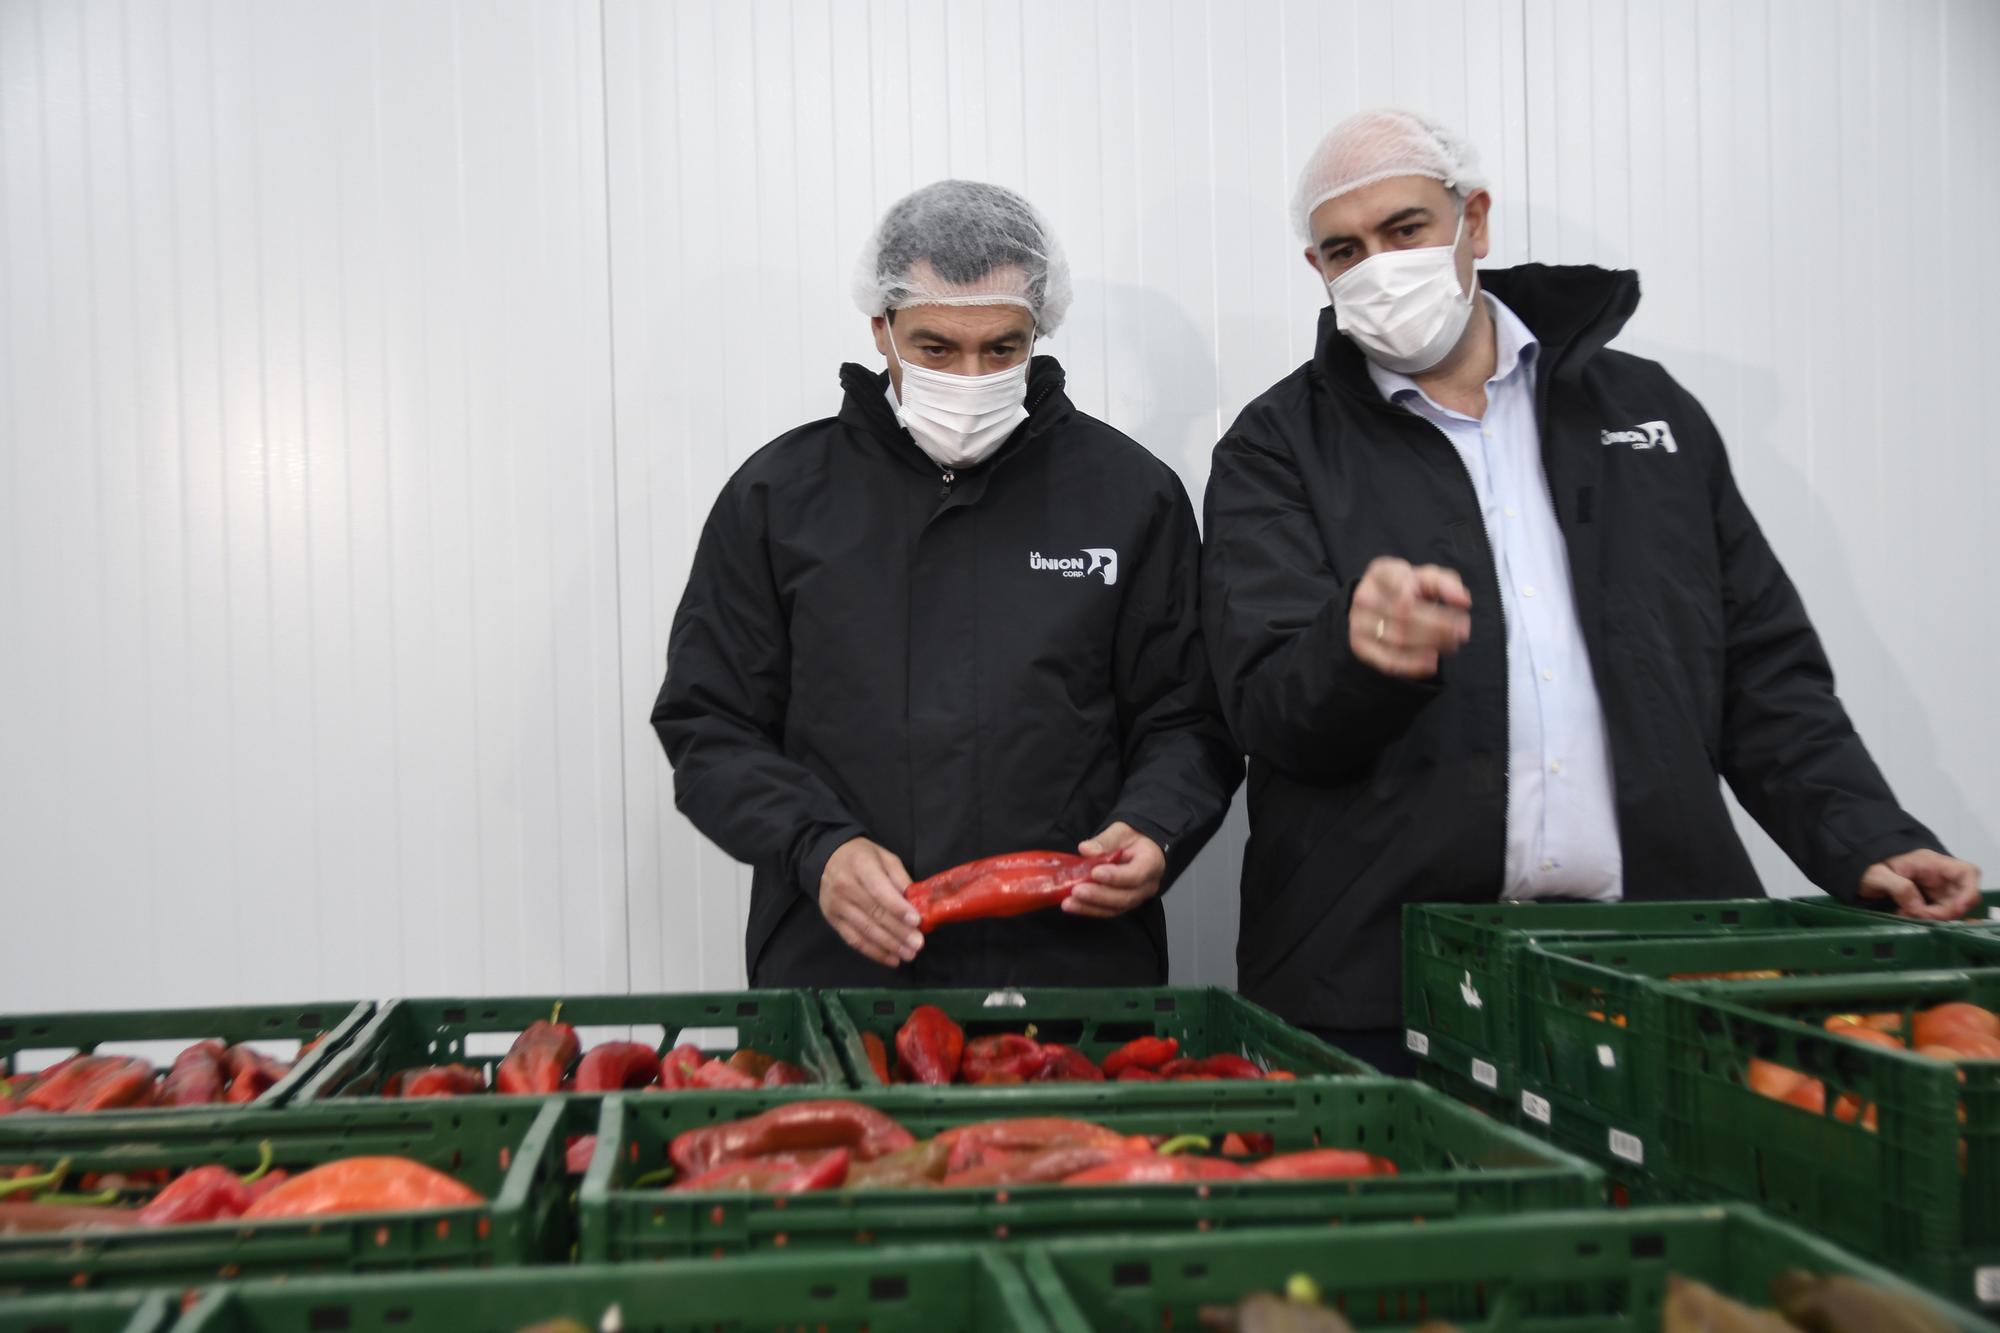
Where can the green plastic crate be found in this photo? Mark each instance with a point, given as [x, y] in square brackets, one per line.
[918, 1289]
[1592, 1053]
[1901, 1192]
[1453, 1161]
[339, 1020]
[510, 1149]
[407, 1034]
[108, 1312]
[1577, 1272]
[1985, 917]
[1206, 1020]
[1460, 983]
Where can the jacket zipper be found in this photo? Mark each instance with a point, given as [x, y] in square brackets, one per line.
[948, 477]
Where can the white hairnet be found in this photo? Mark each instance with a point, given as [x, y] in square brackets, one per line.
[964, 243]
[1374, 145]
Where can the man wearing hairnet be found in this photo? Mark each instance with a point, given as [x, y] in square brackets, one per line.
[956, 619]
[1490, 616]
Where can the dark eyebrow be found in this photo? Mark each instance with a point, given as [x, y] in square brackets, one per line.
[931, 336]
[1416, 212]
[1002, 340]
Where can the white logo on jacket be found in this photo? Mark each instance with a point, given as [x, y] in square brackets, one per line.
[1645, 435]
[1099, 560]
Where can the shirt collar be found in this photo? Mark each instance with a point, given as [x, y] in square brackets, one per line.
[1514, 348]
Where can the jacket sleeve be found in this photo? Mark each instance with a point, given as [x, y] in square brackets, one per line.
[1275, 611]
[1181, 767]
[1789, 751]
[721, 712]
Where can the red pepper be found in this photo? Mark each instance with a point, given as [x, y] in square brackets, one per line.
[1066, 1064]
[1141, 1053]
[877, 1053]
[791, 1128]
[1156, 1169]
[26, 1218]
[1134, 1074]
[538, 1059]
[918, 1166]
[718, 1075]
[196, 1078]
[578, 1152]
[259, 1188]
[930, 1044]
[94, 1083]
[784, 1173]
[1322, 1164]
[754, 1063]
[205, 1194]
[1246, 1145]
[1212, 1066]
[443, 1081]
[363, 1185]
[678, 1065]
[1041, 1167]
[615, 1065]
[250, 1074]
[990, 1140]
[997, 886]
[785, 1074]
[1004, 1057]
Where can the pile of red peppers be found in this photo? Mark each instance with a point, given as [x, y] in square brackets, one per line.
[824, 1145]
[547, 1057]
[932, 1048]
[33, 1202]
[206, 1073]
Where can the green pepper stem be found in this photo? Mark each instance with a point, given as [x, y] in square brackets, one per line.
[98, 1200]
[659, 1177]
[47, 1180]
[1182, 1142]
[555, 1014]
[265, 1157]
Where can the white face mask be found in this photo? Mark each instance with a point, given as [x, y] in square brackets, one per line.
[1404, 308]
[959, 419]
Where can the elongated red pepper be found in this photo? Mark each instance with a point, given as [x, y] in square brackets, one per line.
[991, 1140]
[538, 1059]
[1212, 1066]
[443, 1081]
[196, 1078]
[792, 1128]
[1247, 1144]
[94, 1083]
[783, 1173]
[614, 1065]
[26, 1218]
[1155, 1169]
[753, 1063]
[363, 1185]
[1322, 1164]
[918, 1166]
[578, 1152]
[877, 1053]
[1061, 1063]
[1004, 1057]
[1134, 1074]
[1141, 1053]
[205, 1194]
[678, 1065]
[998, 886]
[250, 1073]
[930, 1044]
[1043, 1166]
[784, 1074]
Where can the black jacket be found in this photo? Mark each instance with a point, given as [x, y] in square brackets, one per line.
[870, 647]
[1367, 792]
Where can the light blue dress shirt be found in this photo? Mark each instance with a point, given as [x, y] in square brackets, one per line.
[1562, 828]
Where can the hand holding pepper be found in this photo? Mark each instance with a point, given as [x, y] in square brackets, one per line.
[1115, 889]
[861, 897]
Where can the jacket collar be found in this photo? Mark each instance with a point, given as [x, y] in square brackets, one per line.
[866, 409]
[1573, 311]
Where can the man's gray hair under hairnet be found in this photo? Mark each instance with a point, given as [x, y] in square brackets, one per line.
[964, 243]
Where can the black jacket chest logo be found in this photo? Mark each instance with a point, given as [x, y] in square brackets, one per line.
[1091, 562]
[1645, 435]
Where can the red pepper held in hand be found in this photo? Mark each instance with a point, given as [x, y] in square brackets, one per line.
[930, 1044]
[443, 1081]
[1147, 1053]
[538, 1059]
[363, 1185]
[615, 1065]
[792, 1128]
[999, 886]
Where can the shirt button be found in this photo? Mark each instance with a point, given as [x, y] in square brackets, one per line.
[1487, 433]
[1547, 674]
[1511, 513]
[1548, 865]
[1555, 766]
[1528, 591]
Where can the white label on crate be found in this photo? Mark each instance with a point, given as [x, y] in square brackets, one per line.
[1607, 1057]
[1485, 1075]
[1986, 1284]
[1535, 1108]
[1628, 1146]
[1470, 993]
[1417, 1042]
[1004, 999]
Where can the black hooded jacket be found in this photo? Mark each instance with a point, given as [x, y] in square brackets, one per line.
[954, 665]
[1367, 792]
